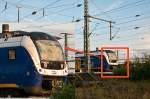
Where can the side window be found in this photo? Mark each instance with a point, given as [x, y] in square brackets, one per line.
[12, 54]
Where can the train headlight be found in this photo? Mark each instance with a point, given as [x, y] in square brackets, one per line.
[44, 65]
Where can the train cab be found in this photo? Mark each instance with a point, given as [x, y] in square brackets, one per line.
[31, 61]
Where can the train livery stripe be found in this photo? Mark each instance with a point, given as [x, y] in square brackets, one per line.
[9, 86]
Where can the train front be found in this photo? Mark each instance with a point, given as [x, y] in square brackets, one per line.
[52, 65]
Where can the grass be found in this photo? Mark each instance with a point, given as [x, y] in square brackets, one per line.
[107, 89]
[136, 87]
[67, 92]
[115, 89]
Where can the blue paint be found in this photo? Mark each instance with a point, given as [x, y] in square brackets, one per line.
[95, 62]
[22, 70]
[15, 71]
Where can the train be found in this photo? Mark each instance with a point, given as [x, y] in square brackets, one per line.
[31, 61]
[110, 61]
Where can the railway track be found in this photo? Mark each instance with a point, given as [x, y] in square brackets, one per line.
[88, 79]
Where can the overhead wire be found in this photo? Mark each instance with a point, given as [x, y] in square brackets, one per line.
[14, 4]
[127, 16]
[125, 22]
[129, 37]
[99, 9]
[50, 4]
[62, 5]
[143, 26]
[118, 32]
[57, 12]
[143, 18]
[120, 7]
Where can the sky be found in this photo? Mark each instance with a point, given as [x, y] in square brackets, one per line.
[131, 17]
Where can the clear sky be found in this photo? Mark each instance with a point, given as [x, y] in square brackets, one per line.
[131, 17]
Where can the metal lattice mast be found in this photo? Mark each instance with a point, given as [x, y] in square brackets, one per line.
[86, 35]
[66, 45]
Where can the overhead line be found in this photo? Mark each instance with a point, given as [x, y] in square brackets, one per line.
[52, 3]
[129, 4]
[65, 9]
[92, 1]
[145, 26]
[139, 19]
[122, 23]
[68, 4]
[17, 3]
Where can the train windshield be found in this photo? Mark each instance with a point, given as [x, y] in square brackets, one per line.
[48, 47]
[49, 50]
[111, 56]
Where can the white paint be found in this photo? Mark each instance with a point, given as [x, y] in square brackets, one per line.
[52, 28]
[27, 43]
[10, 42]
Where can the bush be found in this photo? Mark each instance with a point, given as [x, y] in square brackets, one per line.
[67, 92]
[120, 70]
[140, 70]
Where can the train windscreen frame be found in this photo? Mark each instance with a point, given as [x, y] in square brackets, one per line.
[48, 47]
[111, 56]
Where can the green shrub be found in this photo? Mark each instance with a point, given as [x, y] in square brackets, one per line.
[67, 92]
[121, 71]
[140, 70]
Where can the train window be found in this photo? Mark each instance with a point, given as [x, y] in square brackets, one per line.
[12, 54]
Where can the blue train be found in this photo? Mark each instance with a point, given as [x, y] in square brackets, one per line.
[31, 61]
[109, 61]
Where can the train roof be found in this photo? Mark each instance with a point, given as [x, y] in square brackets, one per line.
[95, 52]
[78, 54]
[34, 35]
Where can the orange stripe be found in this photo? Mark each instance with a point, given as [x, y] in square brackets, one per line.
[8, 86]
